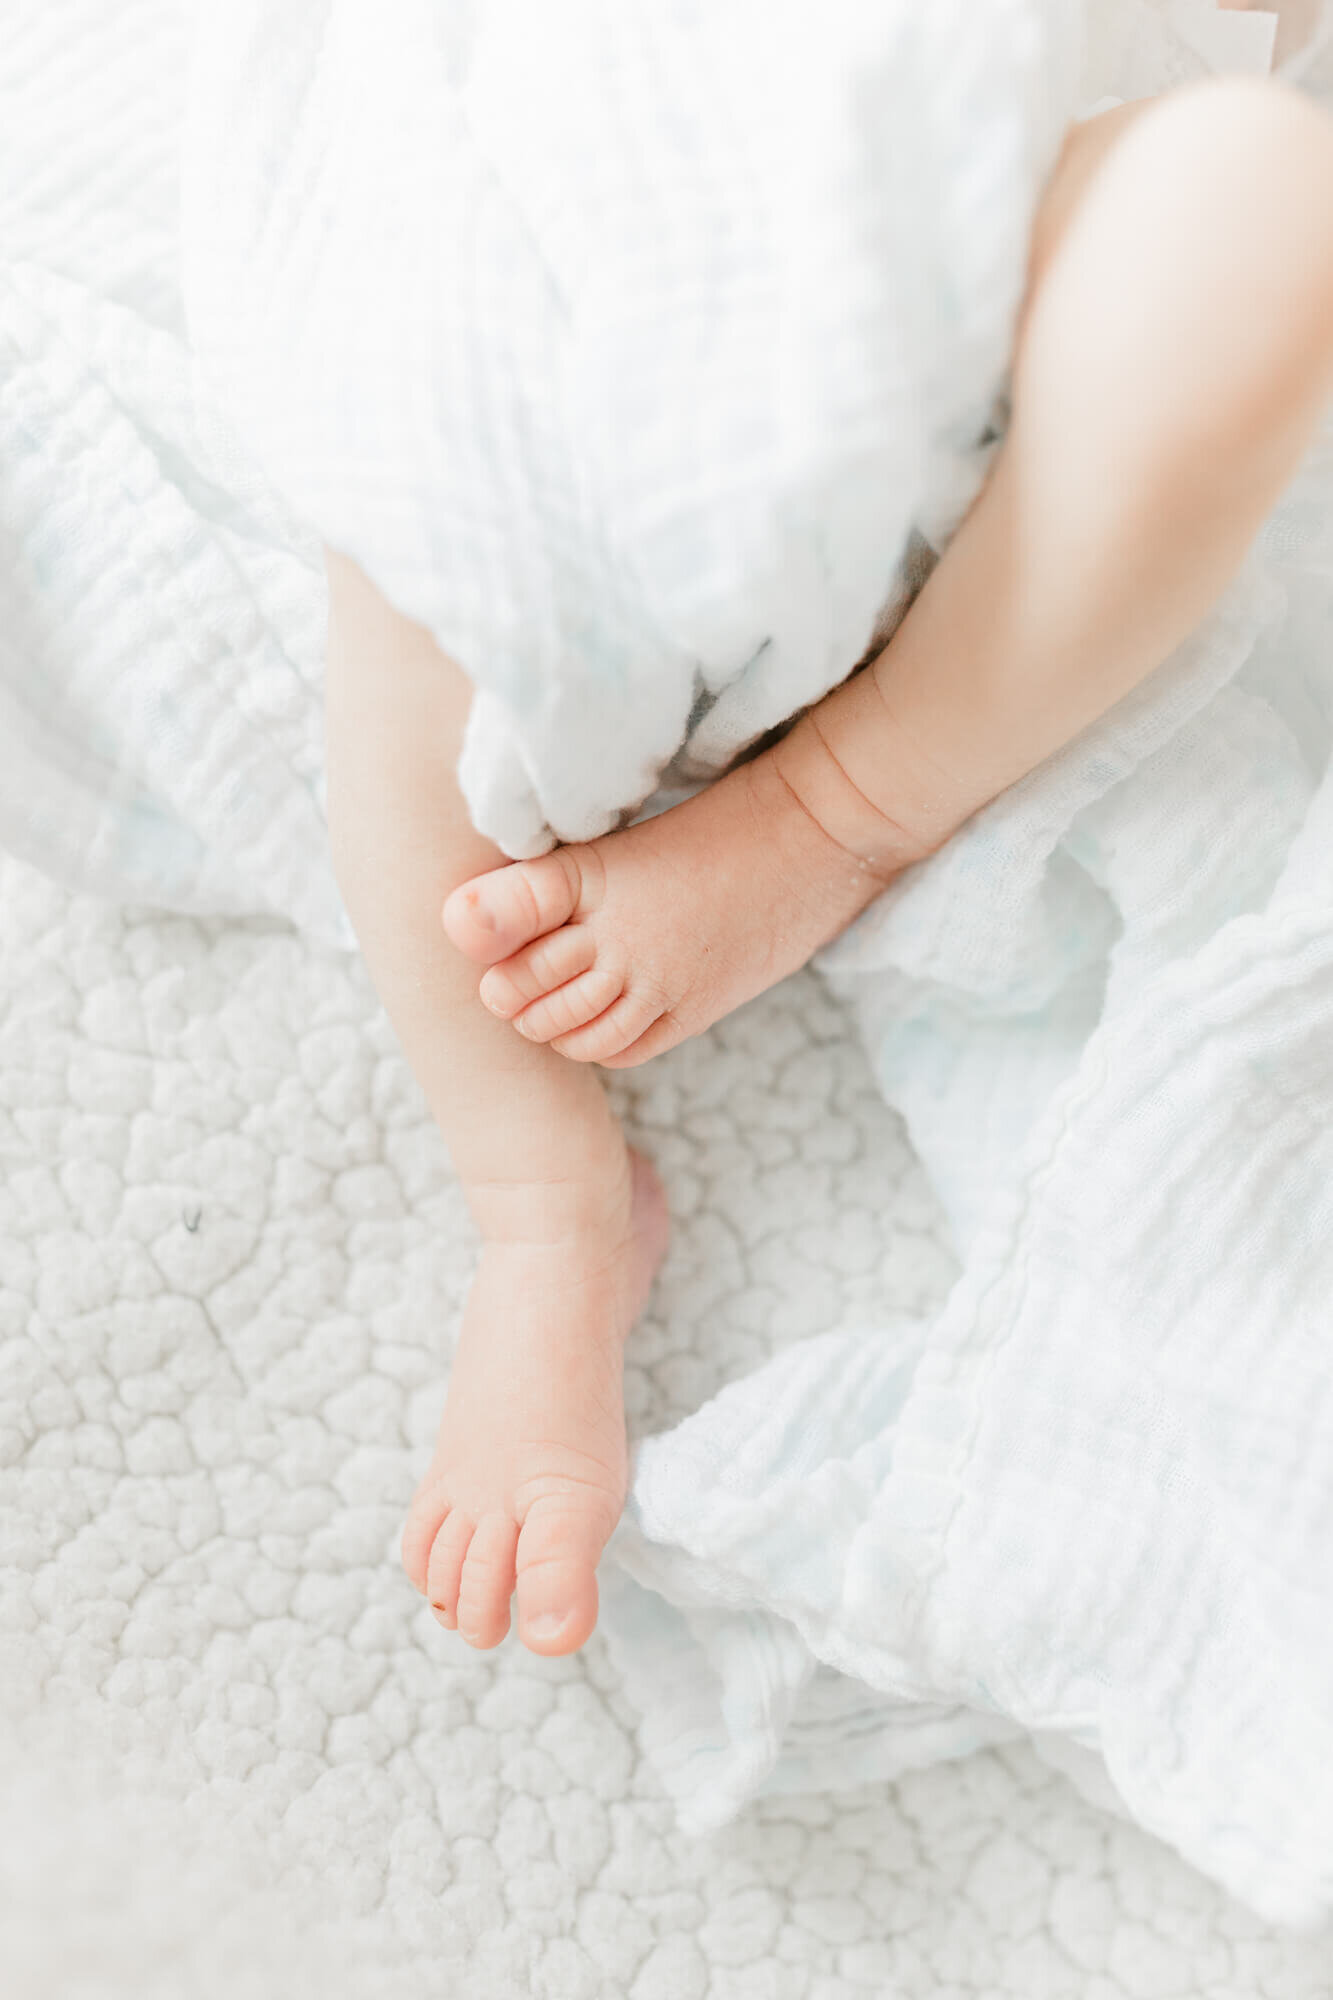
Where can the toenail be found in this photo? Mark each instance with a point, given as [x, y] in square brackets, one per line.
[548, 1626]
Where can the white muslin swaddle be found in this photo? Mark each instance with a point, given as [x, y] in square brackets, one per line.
[623, 346]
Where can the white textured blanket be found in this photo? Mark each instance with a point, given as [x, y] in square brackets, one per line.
[1088, 1496]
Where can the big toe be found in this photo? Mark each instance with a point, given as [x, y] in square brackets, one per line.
[558, 1551]
[496, 914]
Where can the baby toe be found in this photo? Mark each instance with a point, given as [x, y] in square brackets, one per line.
[557, 1556]
[663, 1034]
[487, 1581]
[571, 1006]
[424, 1516]
[447, 1555]
[609, 1033]
[539, 968]
[495, 914]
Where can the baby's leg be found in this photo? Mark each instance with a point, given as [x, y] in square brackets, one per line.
[1174, 355]
[1174, 358]
[528, 1477]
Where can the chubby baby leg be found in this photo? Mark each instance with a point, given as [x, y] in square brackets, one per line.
[528, 1474]
[1173, 357]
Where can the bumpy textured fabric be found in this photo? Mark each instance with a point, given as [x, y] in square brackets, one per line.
[1092, 1498]
[161, 606]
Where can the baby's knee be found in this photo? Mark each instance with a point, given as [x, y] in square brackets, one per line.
[1214, 162]
[1266, 152]
[1261, 119]
[1257, 158]
[1220, 207]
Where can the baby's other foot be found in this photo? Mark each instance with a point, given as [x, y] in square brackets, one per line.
[529, 1473]
[615, 949]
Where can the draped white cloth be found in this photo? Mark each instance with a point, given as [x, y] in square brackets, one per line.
[622, 346]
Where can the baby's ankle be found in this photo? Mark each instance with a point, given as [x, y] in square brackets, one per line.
[880, 839]
[591, 1206]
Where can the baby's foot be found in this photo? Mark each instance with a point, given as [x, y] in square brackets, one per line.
[615, 949]
[529, 1474]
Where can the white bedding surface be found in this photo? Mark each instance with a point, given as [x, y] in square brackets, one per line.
[231, 1263]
